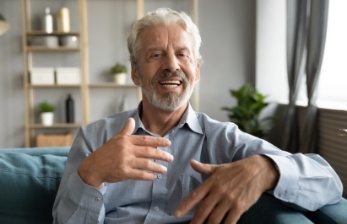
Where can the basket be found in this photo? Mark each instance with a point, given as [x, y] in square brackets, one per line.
[44, 140]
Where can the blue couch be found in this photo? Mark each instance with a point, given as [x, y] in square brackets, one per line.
[30, 177]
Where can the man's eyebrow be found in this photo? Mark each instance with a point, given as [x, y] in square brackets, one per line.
[183, 49]
[154, 49]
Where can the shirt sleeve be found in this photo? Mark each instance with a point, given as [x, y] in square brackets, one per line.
[306, 180]
[77, 202]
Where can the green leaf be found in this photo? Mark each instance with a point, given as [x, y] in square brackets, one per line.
[249, 105]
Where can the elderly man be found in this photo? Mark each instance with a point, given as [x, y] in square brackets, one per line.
[165, 163]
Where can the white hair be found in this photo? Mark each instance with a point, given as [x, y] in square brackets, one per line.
[164, 16]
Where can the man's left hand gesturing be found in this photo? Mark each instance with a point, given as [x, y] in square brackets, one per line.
[230, 190]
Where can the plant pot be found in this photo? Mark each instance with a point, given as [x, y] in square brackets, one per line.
[47, 118]
[120, 78]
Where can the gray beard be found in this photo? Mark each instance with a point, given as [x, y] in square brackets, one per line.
[170, 101]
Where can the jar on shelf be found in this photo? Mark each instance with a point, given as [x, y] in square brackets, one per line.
[63, 20]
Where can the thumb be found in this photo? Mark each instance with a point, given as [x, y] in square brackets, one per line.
[202, 167]
[129, 127]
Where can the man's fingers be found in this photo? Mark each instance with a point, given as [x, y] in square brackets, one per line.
[144, 140]
[202, 168]
[199, 193]
[221, 210]
[205, 209]
[148, 165]
[129, 127]
[153, 153]
[194, 198]
[142, 175]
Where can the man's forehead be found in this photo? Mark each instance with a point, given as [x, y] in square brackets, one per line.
[158, 34]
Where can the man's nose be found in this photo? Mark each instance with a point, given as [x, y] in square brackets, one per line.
[171, 63]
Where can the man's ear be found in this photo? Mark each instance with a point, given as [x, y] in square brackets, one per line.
[135, 74]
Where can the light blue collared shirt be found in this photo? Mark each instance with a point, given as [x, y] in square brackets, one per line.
[307, 181]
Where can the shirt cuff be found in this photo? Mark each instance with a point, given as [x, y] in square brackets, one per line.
[287, 184]
[85, 196]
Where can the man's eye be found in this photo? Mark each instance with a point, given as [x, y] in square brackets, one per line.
[156, 55]
[183, 55]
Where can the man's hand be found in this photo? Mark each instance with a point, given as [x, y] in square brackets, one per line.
[124, 157]
[230, 190]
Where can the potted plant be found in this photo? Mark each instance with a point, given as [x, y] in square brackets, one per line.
[47, 113]
[119, 72]
[246, 114]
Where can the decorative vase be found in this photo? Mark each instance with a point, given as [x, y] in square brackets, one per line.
[120, 78]
[63, 20]
[47, 118]
[70, 109]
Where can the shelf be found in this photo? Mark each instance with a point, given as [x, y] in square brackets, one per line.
[36, 54]
[54, 86]
[56, 125]
[52, 49]
[111, 85]
[55, 33]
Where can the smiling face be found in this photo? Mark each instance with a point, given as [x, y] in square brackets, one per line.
[166, 68]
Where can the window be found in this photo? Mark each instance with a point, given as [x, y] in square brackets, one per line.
[332, 84]
[271, 68]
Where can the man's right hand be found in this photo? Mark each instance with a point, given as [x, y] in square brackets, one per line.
[125, 156]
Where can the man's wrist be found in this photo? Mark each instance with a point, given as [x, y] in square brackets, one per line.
[273, 173]
[88, 177]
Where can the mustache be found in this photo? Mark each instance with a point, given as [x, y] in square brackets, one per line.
[166, 74]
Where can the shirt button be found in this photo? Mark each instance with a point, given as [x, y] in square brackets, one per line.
[159, 176]
[97, 199]
[156, 208]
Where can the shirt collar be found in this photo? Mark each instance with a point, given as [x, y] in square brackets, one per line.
[189, 117]
[138, 122]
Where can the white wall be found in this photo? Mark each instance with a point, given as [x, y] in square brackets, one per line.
[228, 34]
[271, 74]
[11, 87]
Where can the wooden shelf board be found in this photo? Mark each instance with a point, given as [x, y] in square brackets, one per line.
[54, 86]
[56, 125]
[111, 85]
[55, 33]
[52, 49]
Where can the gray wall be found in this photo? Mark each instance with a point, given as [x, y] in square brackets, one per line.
[228, 33]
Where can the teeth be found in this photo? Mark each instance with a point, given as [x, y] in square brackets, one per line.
[171, 82]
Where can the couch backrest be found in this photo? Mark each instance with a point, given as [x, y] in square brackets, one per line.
[29, 180]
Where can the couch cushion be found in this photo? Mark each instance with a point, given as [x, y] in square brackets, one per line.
[332, 214]
[28, 186]
[269, 210]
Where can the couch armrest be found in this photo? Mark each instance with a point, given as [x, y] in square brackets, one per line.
[38, 151]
